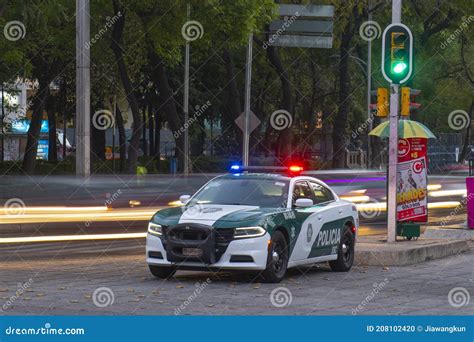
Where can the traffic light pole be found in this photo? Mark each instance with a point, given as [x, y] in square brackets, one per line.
[369, 89]
[393, 145]
[392, 164]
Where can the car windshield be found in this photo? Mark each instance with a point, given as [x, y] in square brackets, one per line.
[244, 191]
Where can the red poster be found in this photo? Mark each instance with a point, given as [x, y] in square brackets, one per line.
[412, 193]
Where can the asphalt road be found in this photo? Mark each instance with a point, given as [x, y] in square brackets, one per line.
[103, 280]
[62, 277]
[159, 190]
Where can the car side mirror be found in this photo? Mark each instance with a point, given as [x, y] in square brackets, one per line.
[304, 202]
[184, 198]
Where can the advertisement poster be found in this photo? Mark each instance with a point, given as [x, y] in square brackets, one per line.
[412, 193]
[43, 147]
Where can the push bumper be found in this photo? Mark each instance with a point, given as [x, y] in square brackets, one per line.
[241, 254]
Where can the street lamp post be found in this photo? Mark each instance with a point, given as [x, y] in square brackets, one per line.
[248, 82]
[186, 101]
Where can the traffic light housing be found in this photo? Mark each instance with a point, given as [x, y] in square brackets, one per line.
[382, 102]
[405, 107]
[408, 104]
[397, 53]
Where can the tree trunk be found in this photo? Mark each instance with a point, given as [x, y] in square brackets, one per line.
[52, 136]
[340, 121]
[151, 128]
[98, 142]
[167, 102]
[39, 102]
[122, 138]
[117, 42]
[157, 140]
[285, 148]
[233, 103]
[467, 137]
[144, 120]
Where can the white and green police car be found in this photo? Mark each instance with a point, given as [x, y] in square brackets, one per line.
[254, 221]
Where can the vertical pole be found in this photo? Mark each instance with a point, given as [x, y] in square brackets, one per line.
[3, 123]
[393, 144]
[64, 134]
[113, 133]
[248, 82]
[186, 101]
[369, 88]
[82, 89]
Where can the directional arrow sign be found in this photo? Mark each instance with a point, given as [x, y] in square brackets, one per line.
[254, 122]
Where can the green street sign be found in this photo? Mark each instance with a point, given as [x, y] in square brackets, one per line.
[397, 53]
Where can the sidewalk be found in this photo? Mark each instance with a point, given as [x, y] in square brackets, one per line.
[375, 251]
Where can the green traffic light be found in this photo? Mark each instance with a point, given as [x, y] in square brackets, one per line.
[399, 67]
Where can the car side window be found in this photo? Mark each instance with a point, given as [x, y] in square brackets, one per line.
[321, 193]
[302, 190]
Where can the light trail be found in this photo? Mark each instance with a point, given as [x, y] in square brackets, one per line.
[444, 193]
[355, 199]
[78, 215]
[63, 238]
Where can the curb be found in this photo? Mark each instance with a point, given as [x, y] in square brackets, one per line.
[401, 253]
[449, 233]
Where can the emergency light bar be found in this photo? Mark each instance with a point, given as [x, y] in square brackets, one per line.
[292, 169]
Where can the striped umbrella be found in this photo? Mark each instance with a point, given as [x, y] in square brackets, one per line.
[406, 129]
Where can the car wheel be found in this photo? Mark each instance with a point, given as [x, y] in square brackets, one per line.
[162, 272]
[277, 261]
[345, 254]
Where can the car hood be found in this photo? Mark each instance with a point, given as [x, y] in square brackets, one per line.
[216, 215]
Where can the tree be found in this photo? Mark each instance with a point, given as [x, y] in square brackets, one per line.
[117, 41]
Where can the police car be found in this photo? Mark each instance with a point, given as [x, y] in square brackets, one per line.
[253, 221]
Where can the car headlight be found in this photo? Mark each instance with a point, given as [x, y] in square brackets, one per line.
[248, 232]
[155, 229]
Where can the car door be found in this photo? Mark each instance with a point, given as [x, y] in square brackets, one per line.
[312, 220]
[330, 216]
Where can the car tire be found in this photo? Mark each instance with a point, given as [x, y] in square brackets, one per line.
[162, 272]
[277, 260]
[345, 253]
